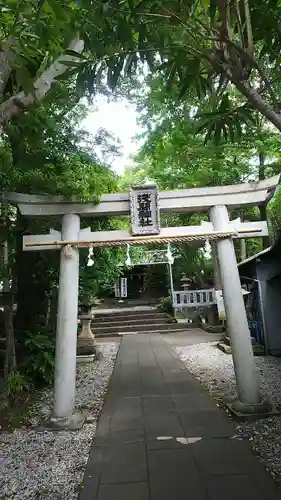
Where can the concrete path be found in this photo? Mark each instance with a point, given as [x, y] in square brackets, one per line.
[162, 437]
[191, 336]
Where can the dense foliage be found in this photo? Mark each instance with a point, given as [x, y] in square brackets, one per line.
[211, 46]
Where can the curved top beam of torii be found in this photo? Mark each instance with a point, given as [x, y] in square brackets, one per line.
[178, 200]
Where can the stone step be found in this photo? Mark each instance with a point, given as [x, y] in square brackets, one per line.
[138, 332]
[126, 314]
[96, 323]
[138, 327]
[258, 349]
[227, 340]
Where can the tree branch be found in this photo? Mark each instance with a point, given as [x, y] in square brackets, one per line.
[21, 101]
[245, 88]
[255, 65]
[258, 102]
[6, 57]
[249, 28]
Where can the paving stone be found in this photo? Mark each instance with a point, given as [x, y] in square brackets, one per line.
[261, 477]
[179, 387]
[114, 438]
[206, 423]
[221, 456]
[173, 475]
[163, 425]
[210, 401]
[233, 487]
[92, 474]
[127, 414]
[166, 443]
[103, 425]
[154, 389]
[132, 405]
[127, 491]
[190, 402]
[123, 423]
[157, 404]
[124, 463]
[126, 391]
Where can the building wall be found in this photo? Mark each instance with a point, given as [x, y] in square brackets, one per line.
[269, 275]
[267, 269]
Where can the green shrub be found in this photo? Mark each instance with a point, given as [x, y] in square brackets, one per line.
[18, 382]
[39, 361]
[166, 305]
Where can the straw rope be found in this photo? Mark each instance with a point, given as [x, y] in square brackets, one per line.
[171, 239]
[211, 236]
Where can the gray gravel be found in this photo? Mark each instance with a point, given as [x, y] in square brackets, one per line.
[50, 465]
[215, 371]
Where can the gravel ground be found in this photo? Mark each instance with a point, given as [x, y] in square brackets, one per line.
[215, 371]
[50, 465]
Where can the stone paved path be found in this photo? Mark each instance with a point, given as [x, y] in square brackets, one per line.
[162, 437]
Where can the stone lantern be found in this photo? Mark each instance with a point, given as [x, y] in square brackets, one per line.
[86, 344]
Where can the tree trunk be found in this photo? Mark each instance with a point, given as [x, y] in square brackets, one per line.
[10, 358]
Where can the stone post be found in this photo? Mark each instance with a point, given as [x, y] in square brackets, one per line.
[170, 270]
[216, 267]
[243, 249]
[212, 311]
[65, 366]
[247, 381]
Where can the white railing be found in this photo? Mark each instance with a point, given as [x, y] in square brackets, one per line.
[194, 298]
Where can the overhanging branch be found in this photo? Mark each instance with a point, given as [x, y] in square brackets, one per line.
[18, 102]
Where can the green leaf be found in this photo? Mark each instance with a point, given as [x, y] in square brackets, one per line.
[24, 79]
[171, 75]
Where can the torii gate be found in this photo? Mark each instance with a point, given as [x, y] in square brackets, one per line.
[214, 200]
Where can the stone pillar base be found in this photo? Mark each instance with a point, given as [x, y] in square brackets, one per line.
[73, 423]
[86, 347]
[245, 411]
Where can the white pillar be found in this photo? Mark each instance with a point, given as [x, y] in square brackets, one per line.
[247, 381]
[65, 368]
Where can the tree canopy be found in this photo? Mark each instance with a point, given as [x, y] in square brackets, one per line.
[212, 46]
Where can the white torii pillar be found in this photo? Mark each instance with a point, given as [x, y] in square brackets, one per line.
[64, 415]
[247, 379]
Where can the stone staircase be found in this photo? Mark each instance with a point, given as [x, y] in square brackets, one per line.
[133, 321]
